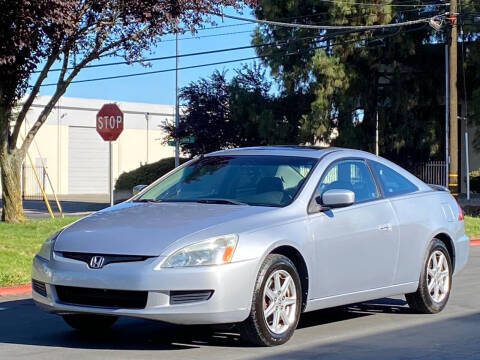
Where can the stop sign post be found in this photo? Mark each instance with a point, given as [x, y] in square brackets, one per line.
[109, 126]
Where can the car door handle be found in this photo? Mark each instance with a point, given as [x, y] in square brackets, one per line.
[385, 227]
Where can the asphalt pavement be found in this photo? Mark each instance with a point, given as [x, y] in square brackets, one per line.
[73, 205]
[381, 329]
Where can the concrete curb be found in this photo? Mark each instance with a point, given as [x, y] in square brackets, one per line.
[15, 290]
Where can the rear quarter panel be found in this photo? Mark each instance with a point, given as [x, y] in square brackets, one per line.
[422, 216]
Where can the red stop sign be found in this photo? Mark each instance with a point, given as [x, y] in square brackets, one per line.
[110, 122]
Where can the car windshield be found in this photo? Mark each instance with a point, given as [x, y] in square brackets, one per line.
[261, 180]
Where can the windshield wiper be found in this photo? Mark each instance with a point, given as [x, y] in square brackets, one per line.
[220, 201]
[202, 201]
[146, 201]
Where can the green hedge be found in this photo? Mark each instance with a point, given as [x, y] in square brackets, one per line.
[145, 174]
[475, 181]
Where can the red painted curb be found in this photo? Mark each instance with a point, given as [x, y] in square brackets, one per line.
[15, 290]
[474, 242]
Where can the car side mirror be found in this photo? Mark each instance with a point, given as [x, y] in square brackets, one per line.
[136, 189]
[335, 198]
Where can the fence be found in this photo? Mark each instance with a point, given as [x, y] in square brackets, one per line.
[432, 172]
[30, 188]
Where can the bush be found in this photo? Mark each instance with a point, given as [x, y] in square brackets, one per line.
[475, 181]
[145, 174]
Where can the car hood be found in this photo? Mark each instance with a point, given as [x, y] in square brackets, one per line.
[149, 228]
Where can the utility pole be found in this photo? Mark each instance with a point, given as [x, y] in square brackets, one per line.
[453, 100]
[447, 115]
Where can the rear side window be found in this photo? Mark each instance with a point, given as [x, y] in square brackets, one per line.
[391, 182]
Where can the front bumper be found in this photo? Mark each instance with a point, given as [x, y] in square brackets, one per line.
[231, 300]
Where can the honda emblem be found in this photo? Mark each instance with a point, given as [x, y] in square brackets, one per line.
[96, 262]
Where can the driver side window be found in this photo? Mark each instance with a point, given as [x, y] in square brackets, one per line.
[353, 175]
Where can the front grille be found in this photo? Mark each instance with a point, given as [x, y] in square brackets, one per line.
[189, 296]
[39, 287]
[108, 259]
[121, 299]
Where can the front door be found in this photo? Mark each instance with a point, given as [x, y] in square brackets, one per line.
[356, 246]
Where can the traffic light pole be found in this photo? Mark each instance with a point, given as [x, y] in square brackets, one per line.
[453, 101]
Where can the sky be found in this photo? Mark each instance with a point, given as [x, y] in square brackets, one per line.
[160, 88]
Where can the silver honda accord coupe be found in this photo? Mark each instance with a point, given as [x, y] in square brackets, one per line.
[254, 237]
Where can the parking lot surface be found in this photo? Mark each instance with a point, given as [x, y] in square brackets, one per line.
[381, 329]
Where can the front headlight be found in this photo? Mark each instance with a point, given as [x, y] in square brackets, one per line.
[47, 246]
[214, 251]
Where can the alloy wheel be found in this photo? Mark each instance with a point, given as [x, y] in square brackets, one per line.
[279, 301]
[438, 276]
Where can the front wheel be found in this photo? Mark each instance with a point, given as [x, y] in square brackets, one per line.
[90, 323]
[435, 281]
[276, 303]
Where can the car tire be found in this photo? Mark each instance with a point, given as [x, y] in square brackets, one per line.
[91, 323]
[267, 327]
[435, 281]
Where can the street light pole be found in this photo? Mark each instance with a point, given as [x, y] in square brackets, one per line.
[148, 137]
[177, 107]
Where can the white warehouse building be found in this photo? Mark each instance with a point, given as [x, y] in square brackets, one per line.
[77, 158]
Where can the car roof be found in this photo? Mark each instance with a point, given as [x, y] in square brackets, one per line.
[279, 150]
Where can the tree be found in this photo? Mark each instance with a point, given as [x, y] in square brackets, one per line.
[470, 10]
[260, 117]
[396, 72]
[206, 116]
[320, 68]
[35, 35]
[241, 112]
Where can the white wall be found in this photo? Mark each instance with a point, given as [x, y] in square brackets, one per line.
[129, 151]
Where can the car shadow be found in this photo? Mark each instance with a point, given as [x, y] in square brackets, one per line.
[22, 323]
[444, 338]
[342, 313]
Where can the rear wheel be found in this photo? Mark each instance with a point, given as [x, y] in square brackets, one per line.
[276, 303]
[435, 281]
[91, 323]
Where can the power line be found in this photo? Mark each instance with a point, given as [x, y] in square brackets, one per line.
[351, 16]
[375, 4]
[160, 71]
[209, 36]
[227, 61]
[169, 40]
[207, 52]
[332, 27]
[216, 35]
[222, 26]
[329, 27]
[288, 18]
[325, 13]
